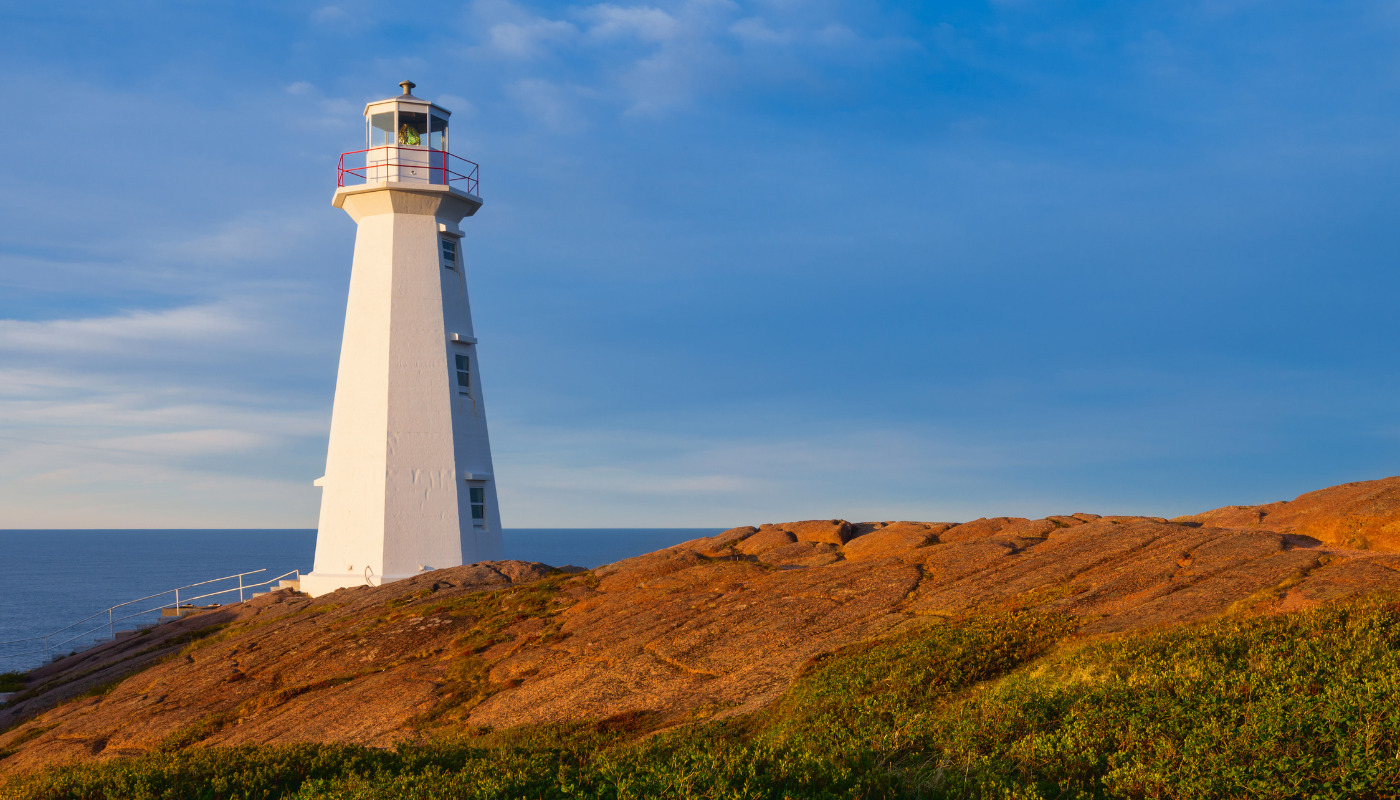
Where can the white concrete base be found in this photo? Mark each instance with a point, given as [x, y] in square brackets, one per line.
[316, 584]
[319, 583]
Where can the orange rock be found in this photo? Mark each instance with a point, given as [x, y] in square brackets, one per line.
[830, 531]
[765, 540]
[727, 620]
[712, 545]
[804, 554]
[1364, 515]
[978, 528]
[893, 539]
[644, 568]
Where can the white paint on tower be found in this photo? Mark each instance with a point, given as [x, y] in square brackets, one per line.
[408, 484]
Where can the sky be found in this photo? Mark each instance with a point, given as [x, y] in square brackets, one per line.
[740, 261]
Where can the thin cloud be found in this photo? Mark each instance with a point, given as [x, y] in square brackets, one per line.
[650, 60]
[326, 14]
[108, 405]
[518, 34]
[205, 322]
[105, 494]
[554, 105]
[253, 238]
[530, 40]
[754, 30]
[647, 23]
[460, 107]
[210, 441]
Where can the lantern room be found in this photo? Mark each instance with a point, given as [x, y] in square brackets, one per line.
[406, 141]
[406, 121]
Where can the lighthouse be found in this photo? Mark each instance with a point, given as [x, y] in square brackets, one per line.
[408, 485]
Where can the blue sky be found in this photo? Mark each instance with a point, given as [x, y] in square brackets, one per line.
[739, 261]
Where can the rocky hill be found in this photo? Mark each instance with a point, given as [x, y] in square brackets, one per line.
[706, 629]
[1361, 515]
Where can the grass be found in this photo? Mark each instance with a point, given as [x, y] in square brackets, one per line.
[1000, 706]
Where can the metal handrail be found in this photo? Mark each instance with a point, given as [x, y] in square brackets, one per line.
[471, 176]
[241, 588]
[109, 611]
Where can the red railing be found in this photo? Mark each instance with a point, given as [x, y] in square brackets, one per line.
[439, 167]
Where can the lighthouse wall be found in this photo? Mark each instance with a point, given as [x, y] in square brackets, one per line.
[405, 445]
[421, 520]
[469, 435]
[350, 534]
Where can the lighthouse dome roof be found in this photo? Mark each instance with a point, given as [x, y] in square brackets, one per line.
[407, 97]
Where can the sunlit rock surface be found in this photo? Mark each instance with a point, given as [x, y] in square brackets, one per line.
[710, 627]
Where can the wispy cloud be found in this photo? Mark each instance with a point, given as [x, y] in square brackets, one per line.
[102, 416]
[513, 32]
[552, 104]
[120, 332]
[755, 30]
[209, 441]
[327, 14]
[650, 59]
[647, 23]
[246, 238]
[705, 480]
[528, 39]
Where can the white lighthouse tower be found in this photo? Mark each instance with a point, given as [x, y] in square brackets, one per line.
[408, 484]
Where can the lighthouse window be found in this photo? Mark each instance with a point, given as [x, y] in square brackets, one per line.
[449, 253]
[464, 374]
[478, 496]
[413, 126]
[437, 137]
[381, 129]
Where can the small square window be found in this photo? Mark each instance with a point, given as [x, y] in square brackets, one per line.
[449, 253]
[478, 501]
[464, 374]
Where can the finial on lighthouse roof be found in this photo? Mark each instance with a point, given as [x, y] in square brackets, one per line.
[408, 87]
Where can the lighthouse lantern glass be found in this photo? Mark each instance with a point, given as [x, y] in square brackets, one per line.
[437, 136]
[381, 130]
[413, 128]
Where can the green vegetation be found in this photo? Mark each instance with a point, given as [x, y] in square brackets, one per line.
[11, 681]
[1005, 706]
[27, 735]
[198, 732]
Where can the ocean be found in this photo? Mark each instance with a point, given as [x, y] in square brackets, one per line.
[55, 578]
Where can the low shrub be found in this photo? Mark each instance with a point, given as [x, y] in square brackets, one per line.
[12, 681]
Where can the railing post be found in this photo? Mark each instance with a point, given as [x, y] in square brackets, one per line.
[177, 603]
[111, 631]
[240, 588]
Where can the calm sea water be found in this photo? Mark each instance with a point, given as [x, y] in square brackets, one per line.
[53, 578]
